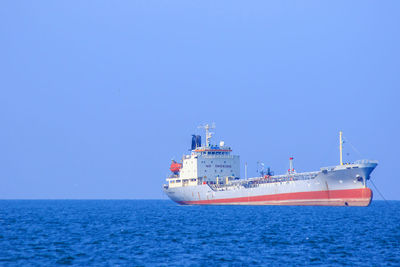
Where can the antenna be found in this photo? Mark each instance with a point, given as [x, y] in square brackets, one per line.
[341, 147]
[209, 134]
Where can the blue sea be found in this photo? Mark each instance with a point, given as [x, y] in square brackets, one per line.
[161, 233]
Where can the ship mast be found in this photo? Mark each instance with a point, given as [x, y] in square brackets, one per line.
[208, 133]
[341, 147]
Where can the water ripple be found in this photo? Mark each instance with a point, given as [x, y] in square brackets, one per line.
[160, 233]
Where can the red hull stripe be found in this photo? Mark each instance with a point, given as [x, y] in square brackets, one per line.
[362, 194]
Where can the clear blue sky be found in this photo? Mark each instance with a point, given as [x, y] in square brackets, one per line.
[98, 96]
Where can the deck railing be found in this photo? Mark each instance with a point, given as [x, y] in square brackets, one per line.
[256, 182]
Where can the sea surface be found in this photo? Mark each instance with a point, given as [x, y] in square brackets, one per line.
[161, 233]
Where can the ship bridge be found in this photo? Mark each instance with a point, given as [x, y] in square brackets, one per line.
[210, 163]
[207, 163]
[212, 150]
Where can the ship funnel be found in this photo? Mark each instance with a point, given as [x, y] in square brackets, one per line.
[198, 140]
[194, 142]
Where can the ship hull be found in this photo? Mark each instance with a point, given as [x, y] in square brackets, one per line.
[351, 197]
[337, 186]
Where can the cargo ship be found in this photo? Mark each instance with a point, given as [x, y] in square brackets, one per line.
[210, 175]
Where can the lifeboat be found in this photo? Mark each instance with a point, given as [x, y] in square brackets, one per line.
[175, 167]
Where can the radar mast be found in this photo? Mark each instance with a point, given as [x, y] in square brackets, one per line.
[209, 134]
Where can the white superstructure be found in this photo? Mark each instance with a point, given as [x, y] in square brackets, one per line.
[209, 163]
